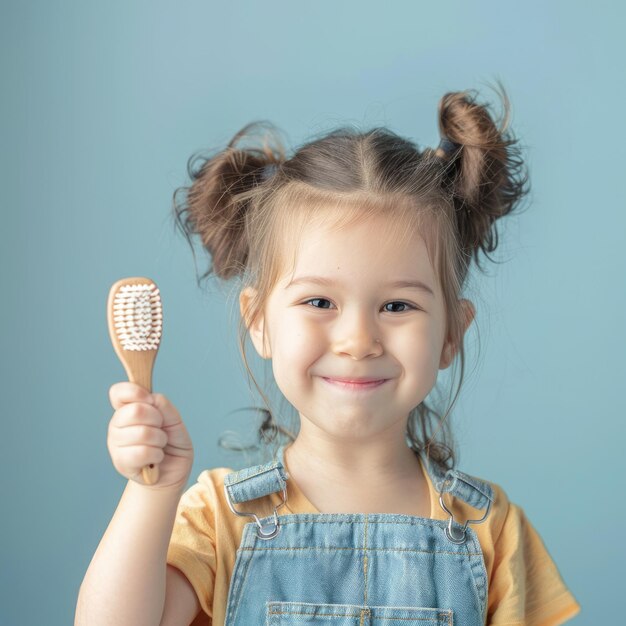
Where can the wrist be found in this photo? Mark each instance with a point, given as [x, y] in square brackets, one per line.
[164, 493]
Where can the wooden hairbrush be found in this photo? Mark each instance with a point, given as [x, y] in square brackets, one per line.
[135, 318]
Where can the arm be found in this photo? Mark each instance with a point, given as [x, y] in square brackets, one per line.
[181, 601]
[126, 579]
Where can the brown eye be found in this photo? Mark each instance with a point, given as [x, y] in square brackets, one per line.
[406, 304]
[317, 300]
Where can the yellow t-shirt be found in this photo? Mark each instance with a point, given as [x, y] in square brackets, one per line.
[525, 586]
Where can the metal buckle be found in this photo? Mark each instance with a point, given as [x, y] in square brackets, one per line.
[261, 533]
[450, 531]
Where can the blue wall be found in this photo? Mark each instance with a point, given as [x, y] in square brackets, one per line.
[102, 104]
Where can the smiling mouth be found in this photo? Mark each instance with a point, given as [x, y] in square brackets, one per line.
[354, 385]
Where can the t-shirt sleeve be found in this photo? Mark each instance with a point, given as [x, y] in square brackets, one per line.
[526, 588]
[192, 544]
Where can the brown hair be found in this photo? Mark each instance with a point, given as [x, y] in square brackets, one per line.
[242, 200]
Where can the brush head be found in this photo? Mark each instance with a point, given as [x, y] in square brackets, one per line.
[135, 318]
[138, 316]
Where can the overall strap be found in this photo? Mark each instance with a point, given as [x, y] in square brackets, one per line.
[256, 482]
[470, 489]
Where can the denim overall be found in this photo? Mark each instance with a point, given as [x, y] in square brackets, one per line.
[356, 569]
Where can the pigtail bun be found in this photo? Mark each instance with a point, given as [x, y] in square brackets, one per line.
[215, 204]
[484, 172]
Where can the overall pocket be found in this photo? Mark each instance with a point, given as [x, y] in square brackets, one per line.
[293, 613]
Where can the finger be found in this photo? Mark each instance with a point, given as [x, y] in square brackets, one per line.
[134, 458]
[137, 413]
[139, 436]
[125, 392]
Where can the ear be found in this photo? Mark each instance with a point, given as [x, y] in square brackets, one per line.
[449, 349]
[256, 329]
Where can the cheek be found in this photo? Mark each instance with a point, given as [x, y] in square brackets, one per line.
[296, 348]
[419, 348]
[297, 342]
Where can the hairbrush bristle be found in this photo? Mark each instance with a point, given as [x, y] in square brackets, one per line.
[138, 316]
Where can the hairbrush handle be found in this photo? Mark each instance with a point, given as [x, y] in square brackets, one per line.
[135, 320]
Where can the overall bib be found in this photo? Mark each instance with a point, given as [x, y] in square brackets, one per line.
[356, 569]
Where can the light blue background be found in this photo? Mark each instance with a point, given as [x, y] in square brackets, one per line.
[103, 103]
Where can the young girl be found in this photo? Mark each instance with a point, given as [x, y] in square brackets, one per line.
[352, 256]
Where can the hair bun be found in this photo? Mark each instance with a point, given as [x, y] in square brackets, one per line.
[215, 204]
[487, 178]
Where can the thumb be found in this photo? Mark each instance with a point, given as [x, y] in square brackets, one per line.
[171, 416]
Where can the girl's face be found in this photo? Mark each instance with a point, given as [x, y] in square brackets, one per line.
[341, 316]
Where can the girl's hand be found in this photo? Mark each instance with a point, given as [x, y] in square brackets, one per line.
[146, 428]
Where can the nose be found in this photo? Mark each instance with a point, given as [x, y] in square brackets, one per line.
[357, 337]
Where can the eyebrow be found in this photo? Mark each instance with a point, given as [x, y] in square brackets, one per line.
[327, 282]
